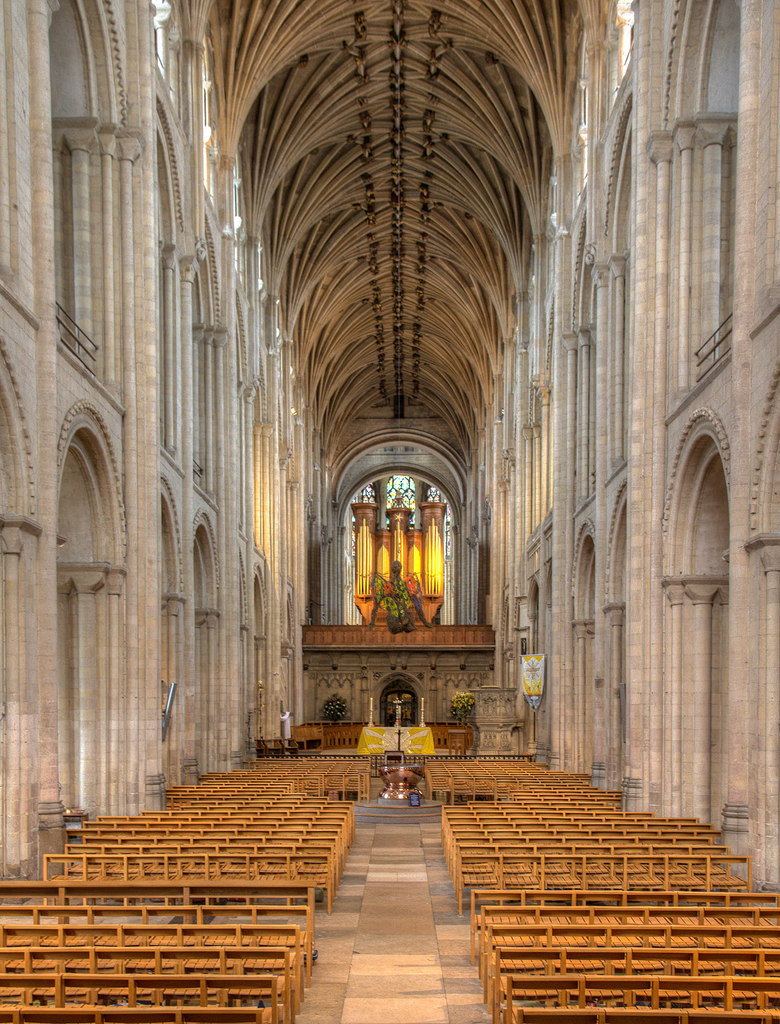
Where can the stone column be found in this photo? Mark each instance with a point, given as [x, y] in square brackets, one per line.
[701, 596]
[741, 434]
[107, 140]
[207, 403]
[116, 683]
[45, 404]
[546, 482]
[5, 174]
[617, 450]
[769, 757]
[18, 698]
[684, 138]
[577, 717]
[176, 735]
[528, 457]
[168, 342]
[711, 136]
[187, 695]
[660, 152]
[764, 737]
[537, 463]
[583, 414]
[599, 448]
[673, 701]
[129, 153]
[614, 613]
[81, 143]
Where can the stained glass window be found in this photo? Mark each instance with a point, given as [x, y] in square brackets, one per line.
[400, 491]
[434, 494]
[367, 494]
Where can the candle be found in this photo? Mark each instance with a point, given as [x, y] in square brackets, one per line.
[370, 710]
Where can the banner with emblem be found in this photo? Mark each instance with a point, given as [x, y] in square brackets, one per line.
[533, 678]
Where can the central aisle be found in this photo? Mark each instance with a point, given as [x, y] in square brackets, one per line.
[394, 950]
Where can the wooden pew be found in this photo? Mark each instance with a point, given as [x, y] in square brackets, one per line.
[285, 964]
[135, 1015]
[61, 989]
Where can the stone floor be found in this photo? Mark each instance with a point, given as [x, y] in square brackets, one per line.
[394, 950]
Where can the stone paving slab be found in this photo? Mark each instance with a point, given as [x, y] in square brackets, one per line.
[394, 950]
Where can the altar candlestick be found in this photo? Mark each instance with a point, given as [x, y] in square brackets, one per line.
[370, 710]
[422, 712]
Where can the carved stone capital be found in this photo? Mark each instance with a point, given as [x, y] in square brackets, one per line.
[659, 147]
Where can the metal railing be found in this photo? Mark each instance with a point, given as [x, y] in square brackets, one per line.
[76, 340]
[714, 349]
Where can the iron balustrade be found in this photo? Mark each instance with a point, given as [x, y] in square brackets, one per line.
[76, 340]
[714, 349]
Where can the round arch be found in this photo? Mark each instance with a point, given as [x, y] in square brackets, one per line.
[403, 686]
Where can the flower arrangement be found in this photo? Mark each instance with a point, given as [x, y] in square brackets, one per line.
[334, 708]
[462, 706]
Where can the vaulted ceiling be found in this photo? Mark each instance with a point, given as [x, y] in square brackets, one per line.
[399, 158]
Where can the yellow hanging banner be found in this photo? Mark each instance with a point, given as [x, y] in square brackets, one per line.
[533, 678]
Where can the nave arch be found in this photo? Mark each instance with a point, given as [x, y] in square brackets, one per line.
[90, 616]
[696, 623]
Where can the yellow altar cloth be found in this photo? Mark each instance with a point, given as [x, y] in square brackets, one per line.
[375, 739]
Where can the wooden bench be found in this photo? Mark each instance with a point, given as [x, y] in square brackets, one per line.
[668, 960]
[62, 989]
[135, 1015]
[639, 1015]
[655, 991]
[283, 921]
[285, 963]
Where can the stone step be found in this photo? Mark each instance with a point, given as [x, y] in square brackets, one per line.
[398, 812]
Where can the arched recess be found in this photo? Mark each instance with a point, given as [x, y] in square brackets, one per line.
[172, 638]
[90, 620]
[401, 686]
[615, 611]
[208, 714]
[581, 704]
[697, 588]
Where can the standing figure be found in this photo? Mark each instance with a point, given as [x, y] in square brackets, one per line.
[398, 596]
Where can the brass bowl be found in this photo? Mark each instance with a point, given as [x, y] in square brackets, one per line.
[400, 780]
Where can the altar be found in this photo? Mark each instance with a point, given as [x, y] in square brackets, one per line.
[374, 739]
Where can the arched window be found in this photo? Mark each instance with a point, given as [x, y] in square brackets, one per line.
[209, 127]
[434, 494]
[625, 26]
[167, 41]
[239, 229]
[582, 118]
[400, 491]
